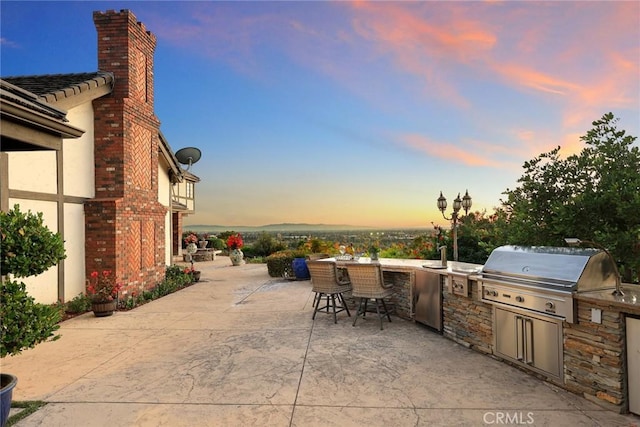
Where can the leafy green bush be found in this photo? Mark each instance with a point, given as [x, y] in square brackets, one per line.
[79, 304]
[28, 247]
[175, 278]
[177, 274]
[24, 322]
[280, 261]
[266, 245]
[215, 243]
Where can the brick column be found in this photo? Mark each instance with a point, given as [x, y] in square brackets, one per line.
[125, 222]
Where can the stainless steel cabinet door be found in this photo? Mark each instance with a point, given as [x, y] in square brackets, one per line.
[427, 299]
[545, 347]
[508, 334]
[534, 341]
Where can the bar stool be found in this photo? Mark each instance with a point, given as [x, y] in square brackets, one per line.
[324, 279]
[367, 284]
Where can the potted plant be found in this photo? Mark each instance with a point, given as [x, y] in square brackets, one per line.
[191, 240]
[234, 244]
[103, 292]
[374, 250]
[27, 248]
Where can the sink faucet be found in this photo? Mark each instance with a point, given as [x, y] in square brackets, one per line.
[443, 255]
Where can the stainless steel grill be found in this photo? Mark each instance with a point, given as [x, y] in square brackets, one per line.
[544, 279]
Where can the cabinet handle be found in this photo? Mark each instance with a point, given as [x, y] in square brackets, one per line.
[519, 338]
[528, 341]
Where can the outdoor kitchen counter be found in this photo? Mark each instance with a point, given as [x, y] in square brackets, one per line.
[408, 265]
[401, 273]
[629, 303]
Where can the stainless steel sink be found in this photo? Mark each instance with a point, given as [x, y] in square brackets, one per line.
[466, 270]
[434, 264]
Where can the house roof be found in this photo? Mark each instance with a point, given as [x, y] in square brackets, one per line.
[66, 90]
[29, 123]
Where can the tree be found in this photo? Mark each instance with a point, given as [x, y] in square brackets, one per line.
[479, 234]
[266, 244]
[594, 195]
[27, 248]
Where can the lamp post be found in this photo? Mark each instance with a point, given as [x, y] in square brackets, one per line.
[465, 204]
[572, 241]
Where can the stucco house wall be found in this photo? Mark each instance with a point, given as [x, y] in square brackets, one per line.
[34, 173]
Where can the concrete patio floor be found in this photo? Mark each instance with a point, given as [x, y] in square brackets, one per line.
[240, 349]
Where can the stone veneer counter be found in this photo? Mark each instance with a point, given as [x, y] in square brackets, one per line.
[595, 364]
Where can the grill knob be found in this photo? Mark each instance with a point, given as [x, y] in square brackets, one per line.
[519, 299]
[549, 305]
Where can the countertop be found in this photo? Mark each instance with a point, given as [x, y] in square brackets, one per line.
[398, 264]
[628, 303]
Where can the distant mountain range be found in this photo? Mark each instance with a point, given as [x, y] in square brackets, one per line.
[274, 227]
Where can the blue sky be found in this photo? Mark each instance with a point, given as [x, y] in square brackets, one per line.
[358, 112]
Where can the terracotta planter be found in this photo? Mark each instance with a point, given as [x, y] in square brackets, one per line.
[103, 309]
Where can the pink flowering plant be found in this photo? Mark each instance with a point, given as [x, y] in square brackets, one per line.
[191, 238]
[102, 287]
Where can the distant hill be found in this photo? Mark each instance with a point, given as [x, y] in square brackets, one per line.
[274, 227]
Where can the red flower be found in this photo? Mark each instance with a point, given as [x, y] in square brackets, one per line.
[235, 241]
[101, 288]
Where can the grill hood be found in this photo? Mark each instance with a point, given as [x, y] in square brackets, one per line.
[559, 268]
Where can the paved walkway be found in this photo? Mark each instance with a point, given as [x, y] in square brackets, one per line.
[240, 349]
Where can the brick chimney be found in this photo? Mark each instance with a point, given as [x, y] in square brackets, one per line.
[125, 223]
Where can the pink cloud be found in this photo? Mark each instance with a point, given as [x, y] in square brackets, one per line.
[532, 78]
[436, 50]
[584, 69]
[447, 151]
[424, 48]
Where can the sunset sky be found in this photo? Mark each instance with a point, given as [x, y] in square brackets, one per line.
[358, 112]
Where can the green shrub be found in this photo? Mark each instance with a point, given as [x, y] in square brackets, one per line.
[266, 245]
[28, 247]
[280, 261]
[175, 279]
[215, 243]
[24, 322]
[78, 304]
[177, 273]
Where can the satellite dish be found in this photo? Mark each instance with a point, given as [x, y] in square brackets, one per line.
[188, 156]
